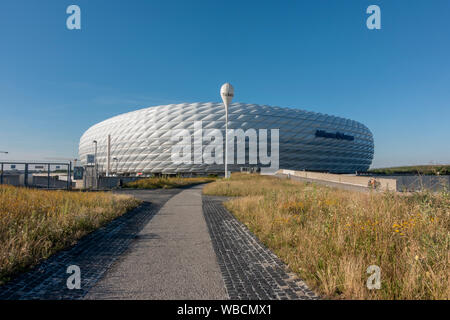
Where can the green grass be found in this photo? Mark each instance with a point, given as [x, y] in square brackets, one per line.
[424, 169]
[167, 183]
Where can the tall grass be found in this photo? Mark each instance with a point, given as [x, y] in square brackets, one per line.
[36, 223]
[330, 236]
[424, 169]
[167, 183]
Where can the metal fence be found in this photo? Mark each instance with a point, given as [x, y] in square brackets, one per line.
[409, 182]
[421, 182]
[48, 175]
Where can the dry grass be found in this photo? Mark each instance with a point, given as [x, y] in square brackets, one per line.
[167, 183]
[330, 237]
[36, 223]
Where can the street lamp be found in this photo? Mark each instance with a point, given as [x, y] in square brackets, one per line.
[95, 153]
[227, 94]
[95, 161]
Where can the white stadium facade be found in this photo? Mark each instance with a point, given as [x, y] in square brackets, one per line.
[140, 141]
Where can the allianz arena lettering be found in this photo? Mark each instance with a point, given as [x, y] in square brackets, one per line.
[337, 135]
[145, 140]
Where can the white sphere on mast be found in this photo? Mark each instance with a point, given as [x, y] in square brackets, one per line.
[227, 93]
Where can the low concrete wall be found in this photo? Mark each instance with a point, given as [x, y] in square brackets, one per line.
[42, 181]
[104, 183]
[112, 182]
[385, 184]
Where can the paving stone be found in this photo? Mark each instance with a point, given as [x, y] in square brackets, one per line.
[250, 270]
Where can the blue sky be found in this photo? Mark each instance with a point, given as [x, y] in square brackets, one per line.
[315, 55]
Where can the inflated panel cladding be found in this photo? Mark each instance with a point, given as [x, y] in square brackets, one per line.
[140, 140]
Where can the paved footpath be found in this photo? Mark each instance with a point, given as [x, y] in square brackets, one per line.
[172, 258]
[177, 245]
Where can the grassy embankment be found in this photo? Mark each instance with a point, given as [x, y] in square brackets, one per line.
[34, 224]
[330, 236]
[425, 169]
[167, 183]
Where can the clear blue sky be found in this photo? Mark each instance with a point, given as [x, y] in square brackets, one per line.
[315, 55]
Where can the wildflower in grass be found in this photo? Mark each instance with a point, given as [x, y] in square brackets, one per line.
[294, 207]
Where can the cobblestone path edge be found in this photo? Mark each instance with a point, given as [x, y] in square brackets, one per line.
[250, 270]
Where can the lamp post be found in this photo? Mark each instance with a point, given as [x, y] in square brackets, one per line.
[227, 94]
[95, 161]
[95, 154]
[108, 155]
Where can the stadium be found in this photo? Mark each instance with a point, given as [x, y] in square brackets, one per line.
[140, 143]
